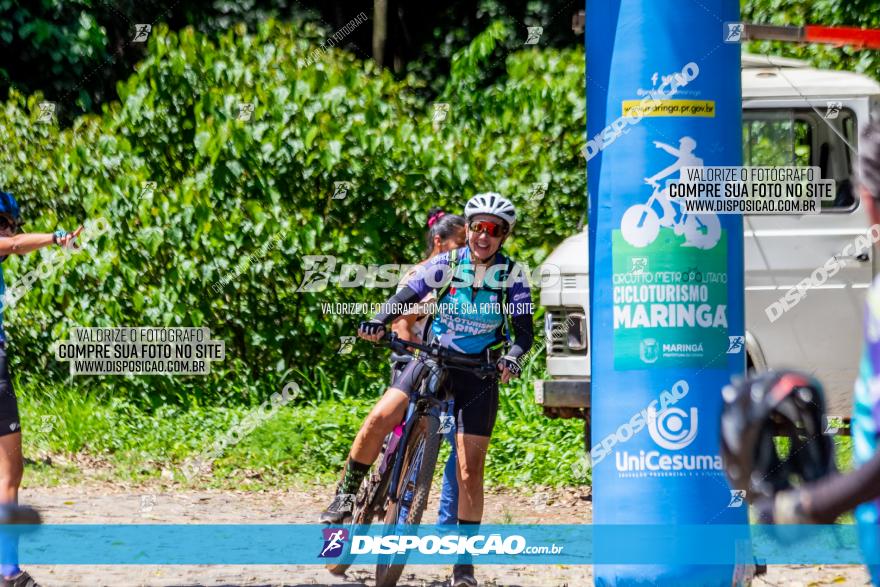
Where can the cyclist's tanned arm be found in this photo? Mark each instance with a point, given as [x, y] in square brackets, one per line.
[22, 244]
[828, 498]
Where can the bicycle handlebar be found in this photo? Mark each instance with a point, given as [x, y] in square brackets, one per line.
[446, 357]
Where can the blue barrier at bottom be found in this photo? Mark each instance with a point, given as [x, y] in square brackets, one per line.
[427, 544]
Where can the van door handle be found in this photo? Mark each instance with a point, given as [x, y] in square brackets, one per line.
[862, 257]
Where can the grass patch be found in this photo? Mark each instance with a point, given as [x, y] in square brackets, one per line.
[70, 436]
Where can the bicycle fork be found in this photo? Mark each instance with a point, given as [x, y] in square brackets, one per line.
[435, 407]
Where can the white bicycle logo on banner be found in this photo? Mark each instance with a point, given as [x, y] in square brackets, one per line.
[641, 223]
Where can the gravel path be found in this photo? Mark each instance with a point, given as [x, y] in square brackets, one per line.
[105, 503]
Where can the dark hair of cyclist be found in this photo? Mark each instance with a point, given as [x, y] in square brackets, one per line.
[442, 224]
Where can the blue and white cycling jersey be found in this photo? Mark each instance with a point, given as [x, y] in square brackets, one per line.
[469, 319]
[865, 425]
[866, 404]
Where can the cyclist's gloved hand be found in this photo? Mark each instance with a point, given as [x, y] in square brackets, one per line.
[66, 239]
[372, 330]
[509, 368]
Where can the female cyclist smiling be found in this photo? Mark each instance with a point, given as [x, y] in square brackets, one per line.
[472, 319]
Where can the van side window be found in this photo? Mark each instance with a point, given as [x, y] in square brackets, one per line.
[802, 137]
[845, 194]
[778, 142]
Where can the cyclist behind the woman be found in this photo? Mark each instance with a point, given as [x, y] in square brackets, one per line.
[445, 232]
[472, 318]
[11, 466]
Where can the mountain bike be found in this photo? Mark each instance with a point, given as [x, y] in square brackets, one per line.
[397, 489]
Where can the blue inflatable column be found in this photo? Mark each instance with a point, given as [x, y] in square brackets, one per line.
[666, 288]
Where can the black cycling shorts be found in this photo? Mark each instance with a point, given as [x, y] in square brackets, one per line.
[476, 399]
[9, 422]
[397, 367]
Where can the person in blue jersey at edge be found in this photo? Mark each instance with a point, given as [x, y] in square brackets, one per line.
[822, 501]
[11, 464]
[487, 302]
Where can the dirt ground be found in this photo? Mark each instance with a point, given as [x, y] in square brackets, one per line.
[103, 503]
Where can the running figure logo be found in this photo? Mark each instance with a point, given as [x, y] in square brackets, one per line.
[446, 423]
[334, 541]
[735, 344]
[833, 109]
[733, 32]
[737, 498]
[318, 272]
[641, 223]
[346, 344]
[47, 112]
[141, 32]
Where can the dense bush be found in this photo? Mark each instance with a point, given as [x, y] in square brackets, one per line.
[76, 50]
[225, 187]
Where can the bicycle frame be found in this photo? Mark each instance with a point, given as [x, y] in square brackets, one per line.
[424, 399]
[418, 401]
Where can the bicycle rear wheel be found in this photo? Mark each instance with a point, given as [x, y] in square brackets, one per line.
[417, 472]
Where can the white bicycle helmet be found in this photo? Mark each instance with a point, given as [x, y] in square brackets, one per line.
[491, 203]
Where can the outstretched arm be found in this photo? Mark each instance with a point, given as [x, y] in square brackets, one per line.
[520, 316]
[668, 148]
[22, 244]
[397, 304]
[824, 500]
[415, 289]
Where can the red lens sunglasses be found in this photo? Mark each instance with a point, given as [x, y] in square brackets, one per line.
[490, 228]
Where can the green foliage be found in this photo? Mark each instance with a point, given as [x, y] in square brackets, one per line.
[528, 448]
[74, 51]
[225, 187]
[851, 13]
[302, 442]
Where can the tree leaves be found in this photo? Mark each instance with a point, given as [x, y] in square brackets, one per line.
[195, 191]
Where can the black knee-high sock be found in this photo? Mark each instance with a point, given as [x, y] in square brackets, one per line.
[352, 477]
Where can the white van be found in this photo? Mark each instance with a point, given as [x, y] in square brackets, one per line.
[792, 115]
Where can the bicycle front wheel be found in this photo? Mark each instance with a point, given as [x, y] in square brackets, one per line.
[367, 504]
[416, 474]
[362, 515]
